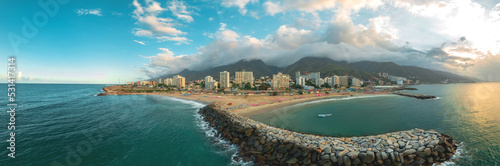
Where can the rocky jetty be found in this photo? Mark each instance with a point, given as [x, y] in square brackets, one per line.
[414, 95]
[268, 145]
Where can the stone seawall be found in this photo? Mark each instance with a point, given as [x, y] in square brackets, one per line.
[267, 145]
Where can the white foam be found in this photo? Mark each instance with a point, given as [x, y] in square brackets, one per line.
[458, 154]
[227, 147]
[437, 98]
[339, 98]
[190, 102]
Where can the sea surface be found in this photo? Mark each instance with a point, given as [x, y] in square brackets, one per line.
[470, 113]
[69, 125]
[60, 124]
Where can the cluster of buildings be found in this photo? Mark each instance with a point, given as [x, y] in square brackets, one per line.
[177, 81]
[397, 79]
[241, 79]
[331, 81]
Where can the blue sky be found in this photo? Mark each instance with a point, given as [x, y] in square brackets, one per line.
[104, 41]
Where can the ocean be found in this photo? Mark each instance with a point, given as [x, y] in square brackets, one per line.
[61, 124]
[470, 113]
[68, 125]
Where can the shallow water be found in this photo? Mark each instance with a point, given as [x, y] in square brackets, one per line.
[470, 113]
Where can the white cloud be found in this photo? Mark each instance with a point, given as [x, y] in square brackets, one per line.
[179, 9]
[179, 40]
[238, 3]
[140, 42]
[96, 12]
[117, 14]
[456, 18]
[273, 7]
[379, 38]
[223, 34]
[20, 75]
[157, 27]
[210, 19]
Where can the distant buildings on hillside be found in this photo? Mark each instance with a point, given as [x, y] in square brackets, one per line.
[279, 81]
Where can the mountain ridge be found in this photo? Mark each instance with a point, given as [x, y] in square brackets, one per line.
[367, 70]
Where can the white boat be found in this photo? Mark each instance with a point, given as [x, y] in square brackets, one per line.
[324, 115]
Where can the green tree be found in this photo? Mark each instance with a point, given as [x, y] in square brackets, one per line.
[248, 86]
[297, 86]
[275, 93]
[263, 87]
[300, 92]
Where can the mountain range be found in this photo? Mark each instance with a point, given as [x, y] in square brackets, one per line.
[366, 70]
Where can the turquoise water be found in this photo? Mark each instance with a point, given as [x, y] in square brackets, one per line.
[60, 122]
[470, 113]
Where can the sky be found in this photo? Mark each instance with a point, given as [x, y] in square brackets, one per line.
[107, 42]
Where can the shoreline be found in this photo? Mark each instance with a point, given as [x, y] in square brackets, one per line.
[250, 111]
[242, 105]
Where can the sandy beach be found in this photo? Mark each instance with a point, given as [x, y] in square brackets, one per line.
[245, 105]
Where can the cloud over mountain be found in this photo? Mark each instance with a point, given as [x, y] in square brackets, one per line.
[343, 38]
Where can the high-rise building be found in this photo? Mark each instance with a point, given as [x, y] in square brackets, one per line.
[281, 81]
[179, 81]
[224, 80]
[335, 80]
[211, 85]
[159, 80]
[320, 82]
[314, 75]
[143, 83]
[208, 79]
[301, 81]
[168, 81]
[355, 82]
[328, 80]
[344, 80]
[297, 78]
[242, 77]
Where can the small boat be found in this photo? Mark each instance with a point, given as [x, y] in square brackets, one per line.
[324, 115]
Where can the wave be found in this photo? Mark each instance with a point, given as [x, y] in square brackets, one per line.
[211, 133]
[460, 153]
[339, 98]
[227, 147]
[437, 98]
[194, 104]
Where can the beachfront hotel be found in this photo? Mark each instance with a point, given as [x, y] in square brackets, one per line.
[179, 81]
[242, 77]
[281, 81]
[224, 80]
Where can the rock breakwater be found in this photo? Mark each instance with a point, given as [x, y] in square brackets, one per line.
[268, 145]
[418, 96]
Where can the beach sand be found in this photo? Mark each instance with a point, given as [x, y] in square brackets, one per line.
[245, 105]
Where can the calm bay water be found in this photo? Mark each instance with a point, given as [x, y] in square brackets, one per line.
[56, 122]
[67, 124]
[470, 113]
